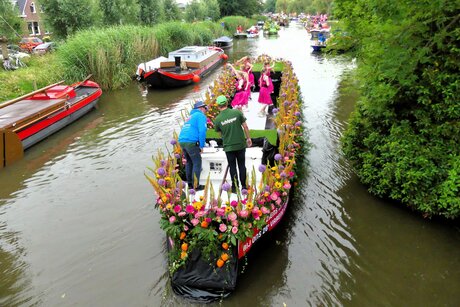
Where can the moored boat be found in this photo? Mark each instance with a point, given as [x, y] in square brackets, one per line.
[211, 231]
[223, 42]
[26, 120]
[181, 67]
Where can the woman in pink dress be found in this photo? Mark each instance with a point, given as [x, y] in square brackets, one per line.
[266, 88]
[247, 68]
[242, 90]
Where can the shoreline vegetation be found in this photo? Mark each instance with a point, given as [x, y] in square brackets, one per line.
[111, 54]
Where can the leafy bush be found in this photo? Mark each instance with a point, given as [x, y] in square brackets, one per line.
[405, 131]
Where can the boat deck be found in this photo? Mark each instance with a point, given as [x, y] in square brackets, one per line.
[214, 161]
[25, 111]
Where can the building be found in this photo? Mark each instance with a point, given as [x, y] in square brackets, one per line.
[31, 12]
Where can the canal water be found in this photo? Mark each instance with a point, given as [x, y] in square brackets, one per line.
[78, 225]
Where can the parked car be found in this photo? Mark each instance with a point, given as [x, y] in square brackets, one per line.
[27, 44]
[44, 48]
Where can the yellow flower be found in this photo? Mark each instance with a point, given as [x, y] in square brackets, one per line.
[168, 206]
[266, 194]
[274, 168]
[277, 176]
[168, 178]
[201, 197]
[197, 205]
[249, 205]
[164, 199]
[228, 209]
[278, 184]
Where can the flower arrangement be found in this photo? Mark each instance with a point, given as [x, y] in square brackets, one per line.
[214, 223]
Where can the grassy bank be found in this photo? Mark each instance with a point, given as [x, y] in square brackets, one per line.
[111, 55]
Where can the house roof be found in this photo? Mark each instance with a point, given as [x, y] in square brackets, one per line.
[21, 6]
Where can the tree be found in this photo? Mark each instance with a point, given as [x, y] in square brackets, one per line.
[10, 23]
[67, 16]
[171, 10]
[270, 6]
[195, 11]
[118, 12]
[150, 11]
[212, 9]
[240, 7]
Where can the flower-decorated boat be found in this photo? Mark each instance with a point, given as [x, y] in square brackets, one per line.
[26, 120]
[209, 232]
[181, 67]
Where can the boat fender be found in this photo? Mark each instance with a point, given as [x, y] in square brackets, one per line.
[196, 78]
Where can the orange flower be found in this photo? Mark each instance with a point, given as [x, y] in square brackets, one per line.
[225, 245]
[204, 224]
[220, 263]
[182, 235]
[184, 247]
[183, 255]
[224, 256]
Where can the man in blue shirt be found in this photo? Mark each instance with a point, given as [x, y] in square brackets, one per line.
[192, 139]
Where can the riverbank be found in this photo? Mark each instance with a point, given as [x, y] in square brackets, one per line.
[111, 54]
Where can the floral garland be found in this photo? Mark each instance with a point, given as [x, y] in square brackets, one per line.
[216, 229]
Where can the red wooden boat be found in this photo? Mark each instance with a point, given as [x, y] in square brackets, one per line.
[181, 67]
[28, 119]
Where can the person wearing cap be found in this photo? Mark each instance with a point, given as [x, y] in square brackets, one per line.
[192, 138]
[231, 125]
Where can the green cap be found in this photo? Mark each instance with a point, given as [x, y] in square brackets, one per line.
[221, 100]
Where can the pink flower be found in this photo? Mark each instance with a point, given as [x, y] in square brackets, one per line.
[189, 209]
[181, 214]
[220, 212]
[208, 220]
[234, 229]
[232, 216]
[287, 186]
[195, 222]
[244, 213]
[265, 210]
[177, 209]
[274, 196]
[235, 223]
[234, 203]
[223, 228]
[278, 201]
[185, 227]
[172, 219]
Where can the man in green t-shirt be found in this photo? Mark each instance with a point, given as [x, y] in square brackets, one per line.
[231, 125]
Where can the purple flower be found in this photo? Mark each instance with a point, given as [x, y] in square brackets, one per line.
[192, 191]
[275, 110]
[244, 192]
[177, 156]
[173, 142]
[298, 123]
[262, 168]
[162, 162]
[297, 113]
[267, 188]
[278, 157]
[226, 187]
[283, 174]
[161, 171]
[162, 182]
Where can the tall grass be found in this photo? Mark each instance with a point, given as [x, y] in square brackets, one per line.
[231, 22]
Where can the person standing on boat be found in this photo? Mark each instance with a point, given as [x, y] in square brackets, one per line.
[192, 139]
[231, 125]
[266, 88]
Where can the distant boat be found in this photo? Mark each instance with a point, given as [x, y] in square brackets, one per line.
[181, 67]
[26, 120]
[223, 42]
[240, 35]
